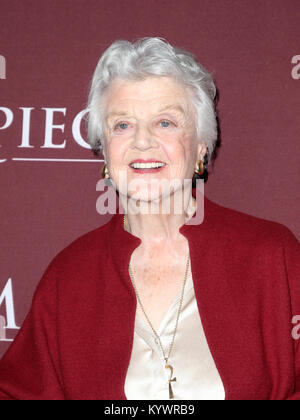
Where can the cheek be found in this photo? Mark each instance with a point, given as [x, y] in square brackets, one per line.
[115, 154]
[180, 150]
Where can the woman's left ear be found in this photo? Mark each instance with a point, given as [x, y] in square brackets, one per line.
[202, 149]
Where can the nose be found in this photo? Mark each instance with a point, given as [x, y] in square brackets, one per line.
[143, 138]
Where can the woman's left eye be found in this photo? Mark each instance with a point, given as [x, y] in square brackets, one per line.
[165, 124]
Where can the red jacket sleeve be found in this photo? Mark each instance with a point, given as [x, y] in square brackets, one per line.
[292, 264]
[30, 368]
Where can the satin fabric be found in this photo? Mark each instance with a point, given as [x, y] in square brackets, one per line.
[197, 377]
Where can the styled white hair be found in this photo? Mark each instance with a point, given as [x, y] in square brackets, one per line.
[153, 57]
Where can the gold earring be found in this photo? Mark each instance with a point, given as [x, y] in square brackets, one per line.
[199, 170]
[105, 172]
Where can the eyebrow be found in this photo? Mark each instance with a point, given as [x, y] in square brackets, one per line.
[174, 107]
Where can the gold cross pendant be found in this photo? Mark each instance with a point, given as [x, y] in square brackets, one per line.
[171, 395]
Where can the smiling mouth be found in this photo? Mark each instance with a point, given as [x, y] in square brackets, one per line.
[143, 167]
[147, 165]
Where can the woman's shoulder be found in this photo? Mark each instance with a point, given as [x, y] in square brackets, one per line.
[266, 247]
[81, 257]
[86, 245]
[246, 228]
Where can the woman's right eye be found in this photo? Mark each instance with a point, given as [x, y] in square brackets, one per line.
[121, 126]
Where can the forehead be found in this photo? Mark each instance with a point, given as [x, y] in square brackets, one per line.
[148, 95]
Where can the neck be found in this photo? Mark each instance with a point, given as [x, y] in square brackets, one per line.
[153, 225]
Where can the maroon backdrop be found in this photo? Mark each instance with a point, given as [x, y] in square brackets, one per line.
[49, 50]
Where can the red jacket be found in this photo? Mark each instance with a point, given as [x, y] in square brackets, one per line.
[76, 340]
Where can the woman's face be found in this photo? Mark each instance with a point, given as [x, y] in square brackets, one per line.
[149, 121]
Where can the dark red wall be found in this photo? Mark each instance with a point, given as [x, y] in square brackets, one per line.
[51, 49]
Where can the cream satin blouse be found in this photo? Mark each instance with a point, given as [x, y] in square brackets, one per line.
[194, 367]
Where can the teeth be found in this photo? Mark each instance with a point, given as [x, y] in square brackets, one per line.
[147, 165]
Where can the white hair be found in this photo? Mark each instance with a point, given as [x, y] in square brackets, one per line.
[153, 57]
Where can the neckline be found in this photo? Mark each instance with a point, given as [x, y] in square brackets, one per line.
[142, 323]
[124, 242]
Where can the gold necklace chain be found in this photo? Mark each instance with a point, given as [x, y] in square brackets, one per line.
[167, 366]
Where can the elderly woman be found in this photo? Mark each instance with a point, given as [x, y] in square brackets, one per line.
[150, 305]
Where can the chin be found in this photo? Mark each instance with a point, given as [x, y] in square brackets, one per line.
[145, 195]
